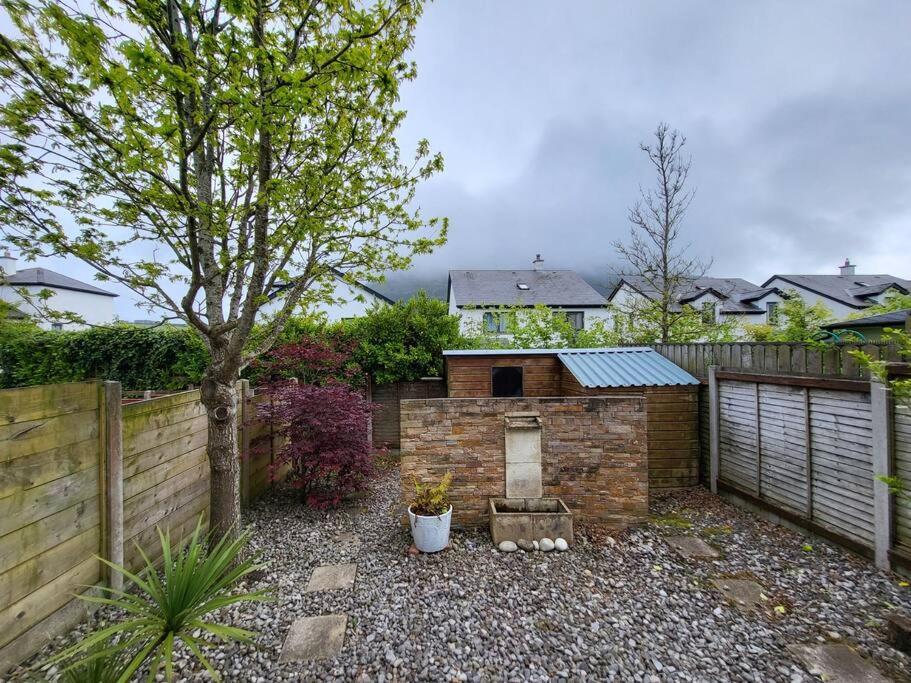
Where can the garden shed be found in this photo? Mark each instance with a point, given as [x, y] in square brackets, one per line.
[671, 393]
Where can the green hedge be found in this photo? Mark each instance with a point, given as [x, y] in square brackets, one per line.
[140, 358]
[392, 343]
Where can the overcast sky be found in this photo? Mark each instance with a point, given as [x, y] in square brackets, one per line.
[796, 116]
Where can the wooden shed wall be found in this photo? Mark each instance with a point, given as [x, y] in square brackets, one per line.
[673, 429]
[469, 376]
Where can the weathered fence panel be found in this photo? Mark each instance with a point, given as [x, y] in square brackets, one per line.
[902, 470]
[829, 360]
[83, 476]
[50, 511]
[842, 463]
[386, 420]
[804, 447]
[166, 471]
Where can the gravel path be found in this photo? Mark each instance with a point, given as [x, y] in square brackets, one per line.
[622, 607]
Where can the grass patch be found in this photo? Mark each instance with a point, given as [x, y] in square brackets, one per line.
[673, 521]
[722, 530]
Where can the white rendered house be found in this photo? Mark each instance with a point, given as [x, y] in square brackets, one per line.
[843, 294]
[92, 304]
[349, 300]
[477, 296]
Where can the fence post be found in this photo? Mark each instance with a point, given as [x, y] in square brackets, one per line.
[112, 549]
[881, 409]
[714, 429]
[243, 439]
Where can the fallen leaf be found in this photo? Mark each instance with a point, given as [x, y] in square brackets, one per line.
[780, 609]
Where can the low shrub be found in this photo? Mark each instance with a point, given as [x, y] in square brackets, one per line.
[431, 501]
[327, 444]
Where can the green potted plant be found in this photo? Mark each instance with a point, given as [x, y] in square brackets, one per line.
[430, 514]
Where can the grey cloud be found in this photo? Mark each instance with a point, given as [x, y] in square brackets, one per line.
[795, 116]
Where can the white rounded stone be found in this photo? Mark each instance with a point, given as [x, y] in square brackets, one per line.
[536, 545]
[507, 547]
[546, 544]
[561, 544]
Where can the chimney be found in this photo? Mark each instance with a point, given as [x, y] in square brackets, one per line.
[7, 263]
[847, 268]
[538, 263]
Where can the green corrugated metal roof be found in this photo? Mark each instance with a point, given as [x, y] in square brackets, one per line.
[623, 366]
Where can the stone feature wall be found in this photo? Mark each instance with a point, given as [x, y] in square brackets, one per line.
[593, 452]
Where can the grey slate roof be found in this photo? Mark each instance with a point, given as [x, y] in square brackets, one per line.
[850, 290]
[612, 367]
[42, 277]
[560, 288]
[737, 294]
[891, 319]
[279, 288]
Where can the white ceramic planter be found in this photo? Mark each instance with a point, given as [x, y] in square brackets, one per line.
[430, 534]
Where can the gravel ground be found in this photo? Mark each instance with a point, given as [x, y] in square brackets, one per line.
[616, 607]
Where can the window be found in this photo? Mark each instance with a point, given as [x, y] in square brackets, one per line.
[506, 382]
[495, 322]
[576, 319]
[771, 311]
[708, 312]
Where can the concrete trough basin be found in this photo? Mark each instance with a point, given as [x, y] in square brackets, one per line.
[529, 518]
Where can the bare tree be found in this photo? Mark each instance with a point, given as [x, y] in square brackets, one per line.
[654, 252]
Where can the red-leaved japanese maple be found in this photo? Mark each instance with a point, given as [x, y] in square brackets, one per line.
[325, 430]
[313, 359]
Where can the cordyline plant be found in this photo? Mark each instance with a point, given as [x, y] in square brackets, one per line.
[164, 609]
[327, 441]
[208, 154]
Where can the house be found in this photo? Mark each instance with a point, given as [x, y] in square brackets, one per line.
[721, 299]
[871, 327]
[349, 299]
[478, 296]
[842, 294]
[92, 304]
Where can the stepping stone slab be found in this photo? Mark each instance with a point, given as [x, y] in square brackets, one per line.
[745, 594]
[837, 664]
[347, 538]
[314, 638]
[691, 547]
[332, 577]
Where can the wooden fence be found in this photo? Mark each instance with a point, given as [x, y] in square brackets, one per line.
[385, 423]
[809, 449]
[830, 360]
[83, 475]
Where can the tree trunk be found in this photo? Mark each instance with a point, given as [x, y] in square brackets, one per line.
[220, 400]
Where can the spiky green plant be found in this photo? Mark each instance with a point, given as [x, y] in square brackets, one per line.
[168, 607]
[106, 668]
